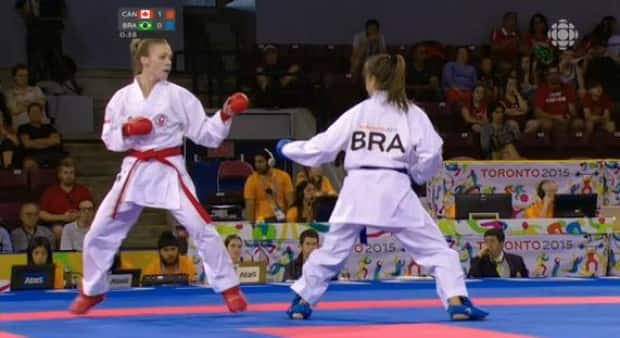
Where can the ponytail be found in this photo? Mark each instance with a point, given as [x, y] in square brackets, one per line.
[389, 73]
[397, 93]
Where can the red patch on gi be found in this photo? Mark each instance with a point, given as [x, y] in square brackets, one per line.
[161, 120]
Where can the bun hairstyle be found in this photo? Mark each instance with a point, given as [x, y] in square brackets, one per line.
[389, 73]
[139, 48]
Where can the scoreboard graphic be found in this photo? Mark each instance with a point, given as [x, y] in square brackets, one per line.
[139, 22]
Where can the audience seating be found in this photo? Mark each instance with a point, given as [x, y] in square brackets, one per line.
[9, 214]
[461, 144]
[42, 179]
[231, 176]
[11, 180]
[535, 145]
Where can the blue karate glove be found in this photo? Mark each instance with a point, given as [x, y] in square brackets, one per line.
[280, 145]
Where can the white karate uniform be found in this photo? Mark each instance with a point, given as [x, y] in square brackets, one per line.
[175, 113]
[376, 134]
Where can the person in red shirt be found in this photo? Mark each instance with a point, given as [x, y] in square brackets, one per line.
[555, 103]
[537, 37]
[60, 203]
[505, 41]
[597, 108]
[475, 111]
[516, 108]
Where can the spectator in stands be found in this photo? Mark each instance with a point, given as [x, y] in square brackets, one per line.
[302, 208]
[529, 76]
[67, 84]
[498, 138]
[5, 241]
[506, 42]
[543, 208]
[603, 66]
[537, 39]
[234, 246]
[487, 76]
[74, 232]
[572, 70]
[268, 192]
[475, 110]
[44, 30]
[450, 210]
[365, 44]
[494, 262]
[555, 103]
[21, 96]
[41, 141]
[29, 216]
[459, 78]
[597, 109]
[516, 109]
[308, 241]
[170, 262]
[422, 83]
[613, 44]
[276, 80]
[40, 253]
[60, 203]
[595, 43]
[9, 142]
[320, 181]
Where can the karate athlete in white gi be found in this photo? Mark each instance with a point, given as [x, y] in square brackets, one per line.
[148, 119]
[387, 140]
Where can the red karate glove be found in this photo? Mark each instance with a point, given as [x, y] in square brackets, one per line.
[138, 126]
[236, 104]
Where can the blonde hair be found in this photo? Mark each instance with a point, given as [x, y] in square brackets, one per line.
[389, 73]
[139, 48]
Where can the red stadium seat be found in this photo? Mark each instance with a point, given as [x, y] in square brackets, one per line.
[9, 214]
[535, 145]
[41, 179]
[11, 180]
[296, 54]
[399, 49]
[14, 187]
[461, 144]
[608, 145]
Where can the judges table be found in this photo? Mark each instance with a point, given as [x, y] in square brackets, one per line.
[550, 248]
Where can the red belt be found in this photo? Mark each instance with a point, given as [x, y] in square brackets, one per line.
[161, 157]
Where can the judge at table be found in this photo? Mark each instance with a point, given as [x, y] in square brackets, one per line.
[493, 262]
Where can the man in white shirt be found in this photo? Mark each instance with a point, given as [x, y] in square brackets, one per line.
[74, 232]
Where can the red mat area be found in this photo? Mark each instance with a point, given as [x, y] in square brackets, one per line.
[392, 331]
[9, 335]
[275, 307]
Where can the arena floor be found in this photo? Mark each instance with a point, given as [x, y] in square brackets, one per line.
[564, 308]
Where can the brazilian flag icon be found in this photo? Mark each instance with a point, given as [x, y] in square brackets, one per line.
[146, 26]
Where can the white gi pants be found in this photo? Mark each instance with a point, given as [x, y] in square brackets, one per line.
[106, 235]
[426, 244]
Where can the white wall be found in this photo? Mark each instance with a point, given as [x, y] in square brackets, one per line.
[408, 21]
[91, 32]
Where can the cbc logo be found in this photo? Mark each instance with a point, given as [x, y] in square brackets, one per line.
[563, 34]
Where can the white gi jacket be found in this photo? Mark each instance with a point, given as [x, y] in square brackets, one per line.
[175, 113]
[376, 134]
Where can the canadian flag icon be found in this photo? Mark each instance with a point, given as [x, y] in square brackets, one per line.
[146, 14]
